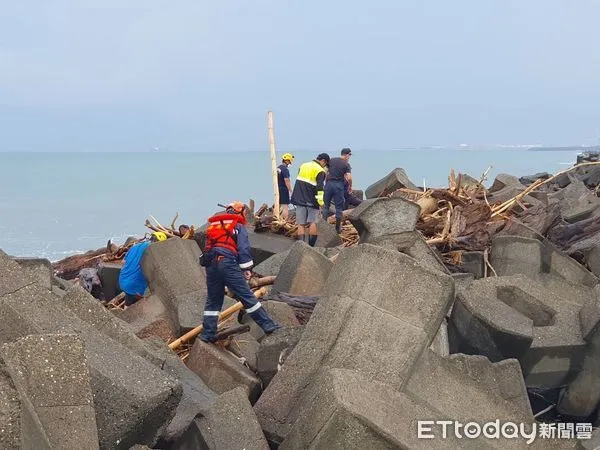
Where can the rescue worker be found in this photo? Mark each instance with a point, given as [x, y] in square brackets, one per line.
[335, 186]
[131, 277]
[227, 260]
[284, 184]
[308, 196]
[352, 201]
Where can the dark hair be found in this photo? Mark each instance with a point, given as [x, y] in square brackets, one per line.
[323, 157]
[346, 151]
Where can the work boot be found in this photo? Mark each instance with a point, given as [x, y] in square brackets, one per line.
[338, 225]
[209, 329]
[263, 320]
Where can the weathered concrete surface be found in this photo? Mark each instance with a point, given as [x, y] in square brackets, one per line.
[40, 268]
[413, 244]
[577, 202]
[174, 274]
[84, 306]
[327, 236]
[280, 312]
[582, 396]
[221, 371]
[503, 180]
[516, 255]
[345, 409]
[517, 317]
[133, 399]
[473, 262]
[396, 179]
[265, 245]
[380, 310]
[109, 276]
[271, 265]
[50, 373]
[304, 271]
[384, 216]
[515, 227]
[231, 423]
[11, 414]
[12, 276]
[245, 346]
[147, 317]
[274, 349]
[197, 397]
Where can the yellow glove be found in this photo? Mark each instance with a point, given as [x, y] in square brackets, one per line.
[319, 198]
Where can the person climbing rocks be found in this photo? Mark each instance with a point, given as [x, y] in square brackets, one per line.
[228, 262]
[131, 277]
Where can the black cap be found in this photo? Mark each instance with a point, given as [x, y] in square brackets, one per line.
[346, 151]
[323, 157]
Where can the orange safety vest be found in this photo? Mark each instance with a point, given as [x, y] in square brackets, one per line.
[221, 231]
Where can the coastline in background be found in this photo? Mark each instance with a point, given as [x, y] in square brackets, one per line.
[53, 205]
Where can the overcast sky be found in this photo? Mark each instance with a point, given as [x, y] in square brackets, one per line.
[196, 75]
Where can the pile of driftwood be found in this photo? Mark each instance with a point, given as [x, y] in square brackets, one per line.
[68, 268]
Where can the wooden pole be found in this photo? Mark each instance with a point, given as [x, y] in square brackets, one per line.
[273, 165]
[196, 331]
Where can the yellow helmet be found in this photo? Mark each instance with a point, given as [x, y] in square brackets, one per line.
[287, 157]
[159, 236]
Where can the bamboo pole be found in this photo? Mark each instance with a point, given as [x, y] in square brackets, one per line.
[196, 331]
[273, 165]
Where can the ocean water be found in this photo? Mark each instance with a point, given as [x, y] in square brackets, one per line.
[53, 205]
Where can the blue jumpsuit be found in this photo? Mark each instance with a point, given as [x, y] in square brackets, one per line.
[225, 269]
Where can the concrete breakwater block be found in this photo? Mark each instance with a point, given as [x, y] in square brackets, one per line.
[230, 423]
[513, 255]
[503, 180]
[133, 399]
[221, 371]
[517, 317]
[273, 351]
[413, 244]
[368, 288]
[265, 245]
[147, 317]
[582, 396]
[384, 216]
[395, 180]
[176, 277]
[280, 312]
[304, 271]
[40, 268]
[51, 376]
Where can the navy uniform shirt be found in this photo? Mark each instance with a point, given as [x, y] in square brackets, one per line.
[338, 168]
[282, 173]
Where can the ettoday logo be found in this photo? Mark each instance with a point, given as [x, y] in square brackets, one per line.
[442, 429]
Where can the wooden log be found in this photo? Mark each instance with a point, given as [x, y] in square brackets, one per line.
[232, 331]
[259, 282]
[196, 331]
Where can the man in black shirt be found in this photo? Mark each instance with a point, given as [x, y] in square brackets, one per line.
[339, 179]
[284, 184]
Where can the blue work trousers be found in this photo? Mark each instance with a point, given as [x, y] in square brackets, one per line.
[334, 192]
[225, 271]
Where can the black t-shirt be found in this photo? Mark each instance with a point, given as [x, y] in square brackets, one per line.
[338, 168]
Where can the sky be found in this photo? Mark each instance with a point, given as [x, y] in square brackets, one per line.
[192, 75]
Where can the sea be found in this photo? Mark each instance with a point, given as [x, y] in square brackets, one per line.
[53, 205]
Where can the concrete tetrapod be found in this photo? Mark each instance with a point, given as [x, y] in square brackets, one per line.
[368, 288]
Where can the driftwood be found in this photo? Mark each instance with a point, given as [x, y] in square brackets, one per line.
[259, 282]
[232, 331]
[302, 305]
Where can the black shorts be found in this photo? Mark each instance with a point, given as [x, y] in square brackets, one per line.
[284, 196]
